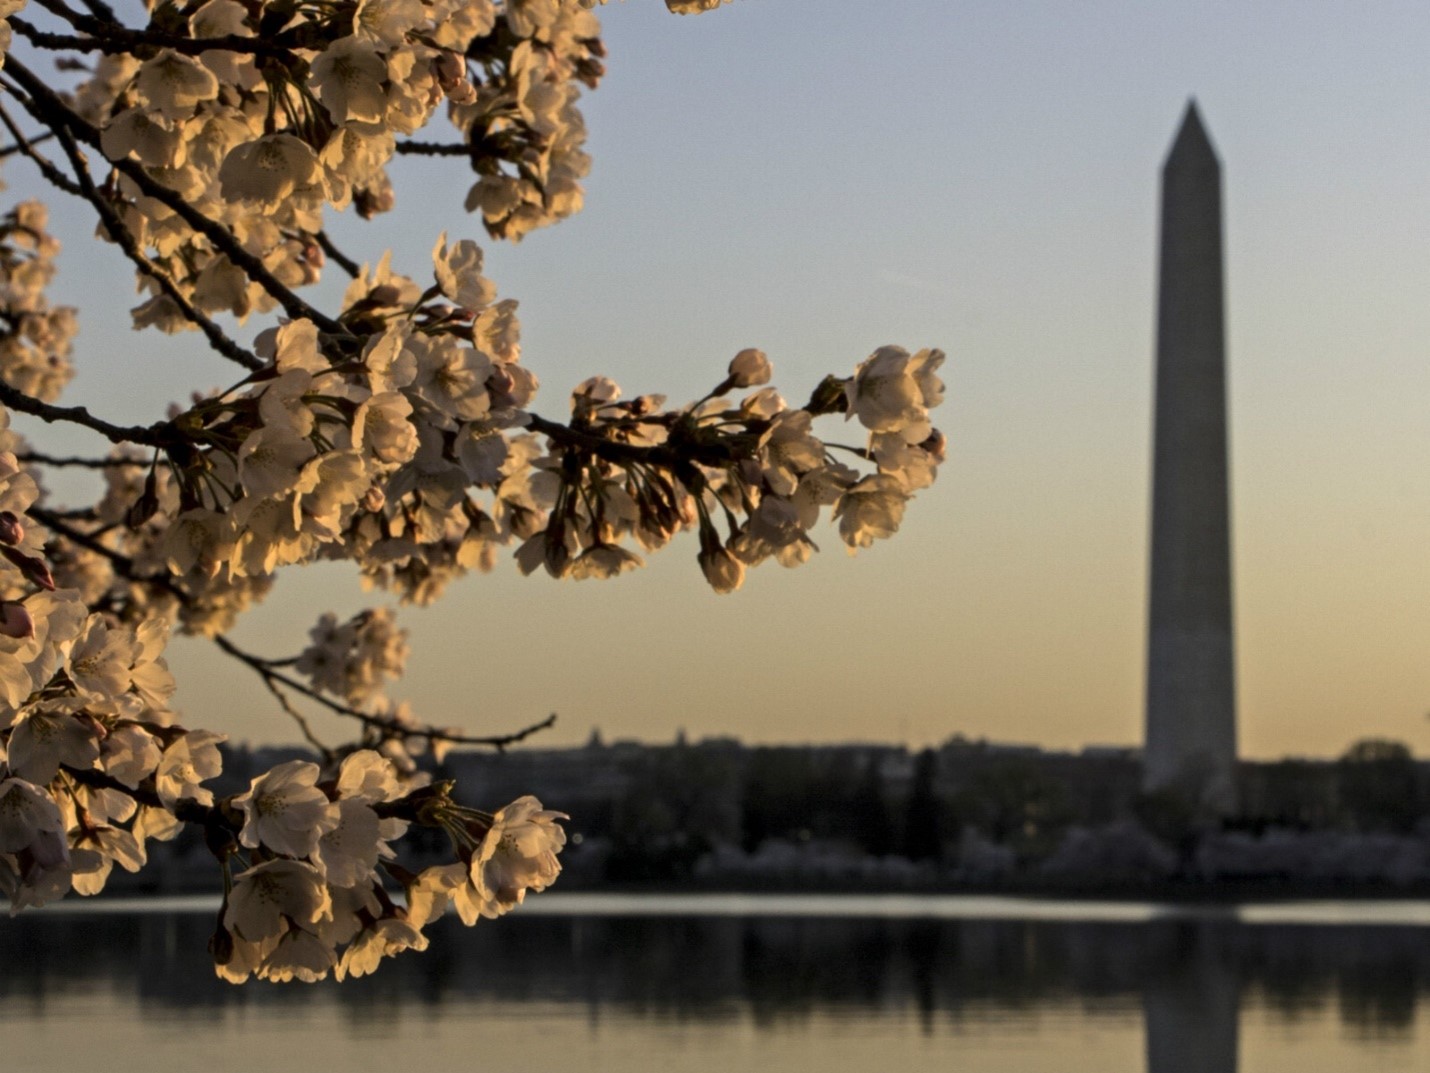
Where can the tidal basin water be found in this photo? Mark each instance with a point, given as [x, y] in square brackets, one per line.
[671, 984]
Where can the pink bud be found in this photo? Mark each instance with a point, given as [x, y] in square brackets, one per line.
[34, 569]
[449, 69]
[12, 530]
[936, 445]
[15, 620]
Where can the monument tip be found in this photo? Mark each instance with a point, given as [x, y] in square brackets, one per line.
[1192, 146]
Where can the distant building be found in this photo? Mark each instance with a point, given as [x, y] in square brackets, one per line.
[1191, 686]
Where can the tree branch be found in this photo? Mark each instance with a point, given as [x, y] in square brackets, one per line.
[297, 717]
[265, 668]
[106, 34]
[431, 148]
[101, 10]
[47, 167]
[39, 139]
[675, 454]
[40, 459]
[123, 565]
[343, 261]
[157, 435]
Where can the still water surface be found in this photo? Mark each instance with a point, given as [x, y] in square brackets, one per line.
[675, 984]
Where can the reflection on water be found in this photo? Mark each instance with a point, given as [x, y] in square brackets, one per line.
[618, 991]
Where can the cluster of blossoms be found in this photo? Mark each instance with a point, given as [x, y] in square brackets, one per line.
[93, 766]
[312, 885]
[354, 659]
[304, 109]
[398, 434]
[35, 337]
[408, 447]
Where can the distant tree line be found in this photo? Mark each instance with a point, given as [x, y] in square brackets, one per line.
[655, 814]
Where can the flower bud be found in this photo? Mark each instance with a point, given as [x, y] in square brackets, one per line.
[221, 945]
[15, 620]
[723, 571]
[936, 445]
[146, 506]
[34, 569]
[449, 68]
[12, 530]
[750, 368]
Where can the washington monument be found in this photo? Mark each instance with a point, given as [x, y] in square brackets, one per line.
[1190, 747]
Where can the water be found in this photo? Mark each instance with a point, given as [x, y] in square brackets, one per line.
[674, 984]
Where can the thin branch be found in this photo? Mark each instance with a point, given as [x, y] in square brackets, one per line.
[307, 731]
[106, 34]
[120, 41]
[265, 669]
[157, 435]
[342, 260]
[63, 42]
[185, 810]
[673, 455]
[40, 459]
[432, 148]
[272, 678]
[74, 18]
[46, 166]
[39, 139]
[123, 565]
[101, 10]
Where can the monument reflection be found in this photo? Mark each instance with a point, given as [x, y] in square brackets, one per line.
[1188, 981]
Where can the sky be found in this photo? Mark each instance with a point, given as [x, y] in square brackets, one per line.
[820, 179]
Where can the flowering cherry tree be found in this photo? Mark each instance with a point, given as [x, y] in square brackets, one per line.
[210, 138]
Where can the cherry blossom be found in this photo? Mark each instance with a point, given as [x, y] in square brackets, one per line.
[285, 811]
[397, 429]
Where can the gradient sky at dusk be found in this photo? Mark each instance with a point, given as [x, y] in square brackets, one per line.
[818, 179]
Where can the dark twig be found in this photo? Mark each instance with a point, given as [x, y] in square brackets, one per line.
[342, 260]
[122, 42]
[266, 669]
[11, 150]
[153, 436]
[293, 713]
[105, 34]
[71, 16]
[123, 564]
[186, 810]
[47, 168]
[673, 455]
[40, 459]
[434, 148]
[101, 10]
